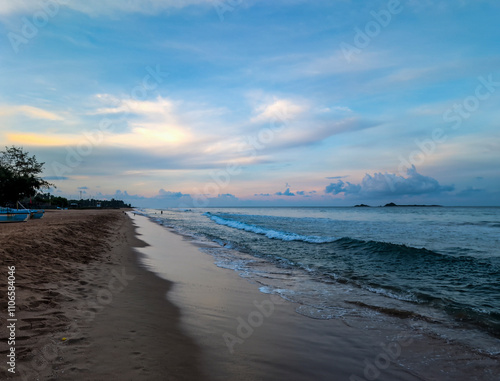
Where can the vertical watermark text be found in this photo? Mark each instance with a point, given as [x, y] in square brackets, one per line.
[11, 319]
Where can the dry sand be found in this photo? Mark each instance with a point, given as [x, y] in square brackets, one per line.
[80, 279]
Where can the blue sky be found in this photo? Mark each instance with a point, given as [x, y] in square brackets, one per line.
[212, 103]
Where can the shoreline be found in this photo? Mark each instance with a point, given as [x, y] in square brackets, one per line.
[288, 345]
[135, 300]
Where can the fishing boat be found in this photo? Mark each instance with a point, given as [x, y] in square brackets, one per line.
[36, 214]
[14, 215]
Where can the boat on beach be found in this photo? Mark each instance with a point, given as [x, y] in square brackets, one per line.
[8, 214]
[36, 214]
[14, 215]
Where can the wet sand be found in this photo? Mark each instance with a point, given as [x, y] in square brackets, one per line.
[89, 309]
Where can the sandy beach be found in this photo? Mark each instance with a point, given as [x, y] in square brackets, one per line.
[90, 307]
[85, 310]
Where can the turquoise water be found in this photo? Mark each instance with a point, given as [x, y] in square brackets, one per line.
[438, 265]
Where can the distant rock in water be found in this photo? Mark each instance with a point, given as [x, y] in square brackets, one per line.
[362, 206]
[391, 204]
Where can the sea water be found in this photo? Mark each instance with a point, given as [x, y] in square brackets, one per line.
[436, 267]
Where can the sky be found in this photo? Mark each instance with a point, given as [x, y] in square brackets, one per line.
[170, 103]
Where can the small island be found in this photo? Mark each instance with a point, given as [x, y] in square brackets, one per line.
[391, 205]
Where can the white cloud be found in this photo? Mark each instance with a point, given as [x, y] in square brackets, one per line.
[389, 184]
[299, 122]
[29, 111]
[335, 110]
[278, 110]
[311, 130]
[114, 105]
[152, 123]
[100, 7]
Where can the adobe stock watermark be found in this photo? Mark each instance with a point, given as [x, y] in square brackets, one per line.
[86, 311]
[454, 118]
[363, 37]
[32, 25]
[250, 146]
[224, 6]
[246, 327]
[390, 352]
[93, 138]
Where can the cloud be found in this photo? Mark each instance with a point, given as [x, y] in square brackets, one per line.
[151, 126]
[100, 7]
[262, 195]
[49, 178]
[336, 177]
[28, 111]
[227, 196]
[336, 109]
[279, 110]
[341, 187]
[160, 122]
[389, 184]
[167, 194]
[285, 193]
[162, 199]
[309, 130]
[164, 133]
[169, 199]
[48, 140]
[125, 106]
[83, 188]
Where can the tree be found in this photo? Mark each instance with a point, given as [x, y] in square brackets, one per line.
[47, 199]
[19, 175]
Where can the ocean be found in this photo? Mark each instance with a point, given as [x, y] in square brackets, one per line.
[435, 268]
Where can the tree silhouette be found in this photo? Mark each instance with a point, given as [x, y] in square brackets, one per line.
[19, 175]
